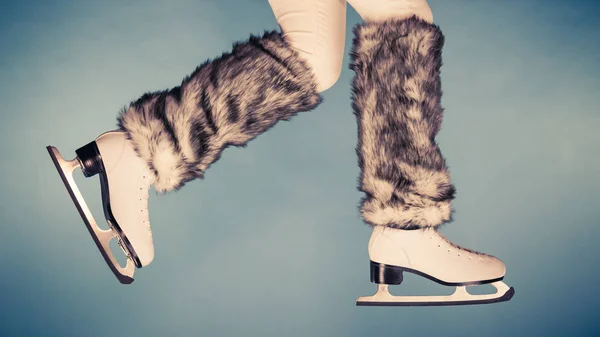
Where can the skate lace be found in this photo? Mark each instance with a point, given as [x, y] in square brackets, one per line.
[443, 242]
[143, 196]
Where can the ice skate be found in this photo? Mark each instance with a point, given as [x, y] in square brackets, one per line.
[427, 253]
[124, 182]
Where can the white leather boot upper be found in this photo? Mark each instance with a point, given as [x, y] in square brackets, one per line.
[128, 181]
[427, 251]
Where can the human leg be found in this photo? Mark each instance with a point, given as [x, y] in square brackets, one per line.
[407, 185]
[316, 30]
[168, 138]
[381, 10]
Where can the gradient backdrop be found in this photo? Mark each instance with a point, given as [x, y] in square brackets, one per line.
[270, 243]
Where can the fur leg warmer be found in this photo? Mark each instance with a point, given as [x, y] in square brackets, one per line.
[226, 101]
[396, 100]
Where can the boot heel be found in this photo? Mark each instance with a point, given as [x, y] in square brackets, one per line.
[90, 159]
[382, 274]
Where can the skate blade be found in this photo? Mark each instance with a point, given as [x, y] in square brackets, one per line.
[460, 297]
[101, 237]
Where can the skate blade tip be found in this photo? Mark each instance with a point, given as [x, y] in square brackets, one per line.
[126, 280]
[509, 294]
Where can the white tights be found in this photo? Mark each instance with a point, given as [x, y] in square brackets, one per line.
[317, 28]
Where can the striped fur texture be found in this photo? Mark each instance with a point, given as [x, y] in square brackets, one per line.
[226, 101]
[397, 102]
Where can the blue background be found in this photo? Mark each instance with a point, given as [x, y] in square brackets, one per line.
[270, 243]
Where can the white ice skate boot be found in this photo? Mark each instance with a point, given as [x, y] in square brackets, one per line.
[427, 253]
[124, 181]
